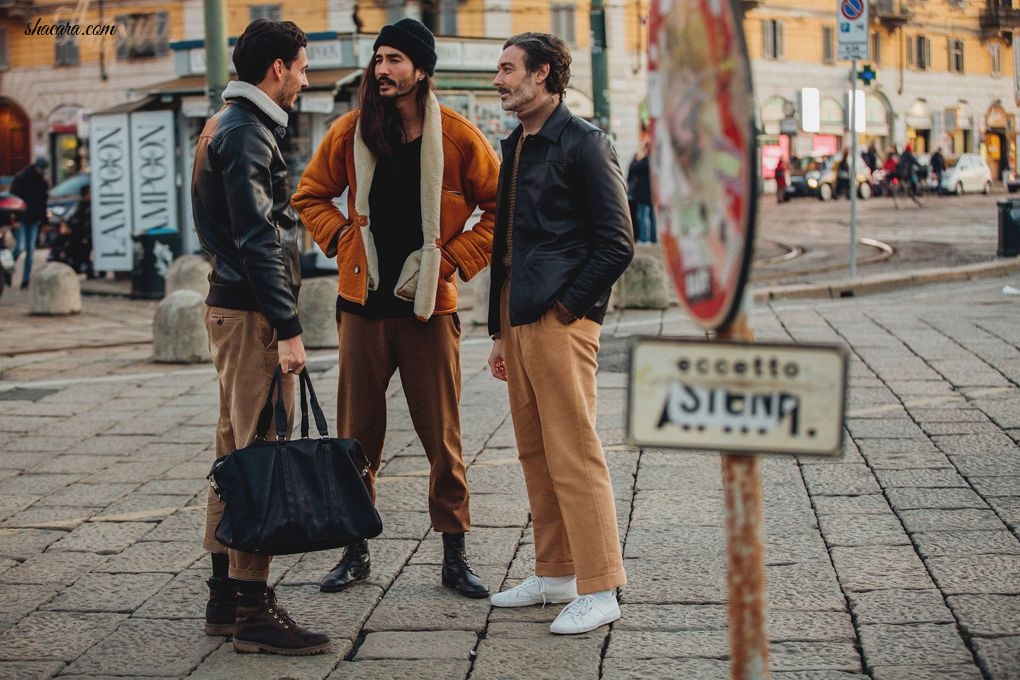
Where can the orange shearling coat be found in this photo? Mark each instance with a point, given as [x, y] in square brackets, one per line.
[459, 171]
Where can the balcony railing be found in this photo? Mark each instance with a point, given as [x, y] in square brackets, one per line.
[999, 19]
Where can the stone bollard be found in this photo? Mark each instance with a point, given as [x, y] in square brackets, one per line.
[644, 285]
[178, 329]
[189, 272]
[55, 290]
[317, 311]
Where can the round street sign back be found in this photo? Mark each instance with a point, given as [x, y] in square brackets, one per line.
[703, 177]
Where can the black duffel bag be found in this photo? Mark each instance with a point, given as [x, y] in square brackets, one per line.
[293, 496]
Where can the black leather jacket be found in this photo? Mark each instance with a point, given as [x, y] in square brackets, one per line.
[241, 204]
[572, 234]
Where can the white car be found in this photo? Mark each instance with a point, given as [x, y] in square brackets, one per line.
[969, 173]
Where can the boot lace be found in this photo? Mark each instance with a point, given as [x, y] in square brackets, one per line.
[280, 614]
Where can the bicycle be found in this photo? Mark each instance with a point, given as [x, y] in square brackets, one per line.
[915, 189]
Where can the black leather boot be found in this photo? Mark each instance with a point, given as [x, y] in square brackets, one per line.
[221, 609]
[264, 626]
[457, 573]
[354, 566]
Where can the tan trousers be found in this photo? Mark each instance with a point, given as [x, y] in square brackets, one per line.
[551, 382]
[428, 356]
[243, 347]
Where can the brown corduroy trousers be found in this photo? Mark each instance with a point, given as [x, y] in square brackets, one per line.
[243, 347]
[550, 370]
[428, 357]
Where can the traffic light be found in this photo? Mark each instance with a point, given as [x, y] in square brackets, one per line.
[867, 74]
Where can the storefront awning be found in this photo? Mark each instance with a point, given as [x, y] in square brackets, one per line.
[331, 80]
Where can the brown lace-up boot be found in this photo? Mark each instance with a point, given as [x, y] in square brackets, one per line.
[264, 626]
[221, 609]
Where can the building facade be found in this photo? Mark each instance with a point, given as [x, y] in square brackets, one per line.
[946, 71]
[945, 77]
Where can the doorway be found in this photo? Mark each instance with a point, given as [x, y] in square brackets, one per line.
[15, 142]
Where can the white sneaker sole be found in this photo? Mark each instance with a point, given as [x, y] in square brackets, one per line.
[586, 629]
[548, 600]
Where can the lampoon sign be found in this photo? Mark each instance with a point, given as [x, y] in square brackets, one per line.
[133, 188]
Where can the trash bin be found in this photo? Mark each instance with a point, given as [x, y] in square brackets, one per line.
[154, 250]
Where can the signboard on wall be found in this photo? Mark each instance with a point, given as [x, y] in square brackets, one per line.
[109, 149]
[153, 190]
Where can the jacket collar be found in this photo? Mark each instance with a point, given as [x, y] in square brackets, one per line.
[238, 89]
[551, 128]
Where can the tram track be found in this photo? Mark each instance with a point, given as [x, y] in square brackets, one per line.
[879, 251]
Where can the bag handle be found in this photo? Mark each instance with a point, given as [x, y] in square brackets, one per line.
[320, 419]
[269, 410]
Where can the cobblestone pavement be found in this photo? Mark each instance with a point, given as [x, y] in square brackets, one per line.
[899, 560]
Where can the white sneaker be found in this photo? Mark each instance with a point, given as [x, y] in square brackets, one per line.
[587, 612]
[535, 590]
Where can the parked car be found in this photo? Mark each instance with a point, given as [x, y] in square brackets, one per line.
[817, 177]
[65, 196]
[968, 173]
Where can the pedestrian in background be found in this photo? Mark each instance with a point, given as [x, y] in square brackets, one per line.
[639, 192]
[32, 187]
[870, 157]
[843, 175]
[780, 174]
[416, 171]
[563, 237]
[938, 165]
[80, 221]
[241, 203]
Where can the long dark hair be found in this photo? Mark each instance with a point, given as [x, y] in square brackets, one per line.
[381, 128]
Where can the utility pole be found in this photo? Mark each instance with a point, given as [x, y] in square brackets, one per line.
[216, 71]
[599, 64]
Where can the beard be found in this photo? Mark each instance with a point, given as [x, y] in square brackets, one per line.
[397, 88]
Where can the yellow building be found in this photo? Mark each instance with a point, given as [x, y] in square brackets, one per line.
[57, 67]
[945, 76]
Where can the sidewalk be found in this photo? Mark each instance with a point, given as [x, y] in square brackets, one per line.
[899, 560]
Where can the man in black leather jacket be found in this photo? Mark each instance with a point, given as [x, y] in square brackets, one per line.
[563, 236]
[242, 211]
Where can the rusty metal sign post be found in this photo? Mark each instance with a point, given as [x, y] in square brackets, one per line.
[704, 185]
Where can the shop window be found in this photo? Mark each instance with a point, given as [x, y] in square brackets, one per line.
[772, 39]
[828, 42]
[563, 22]
[995, 53]
[143, 35]
[270, 12]
[66, 51]
[919, 53]
[3, 49]
[875, 51]
[955, 55]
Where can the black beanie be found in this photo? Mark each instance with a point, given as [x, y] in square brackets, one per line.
[413, 39]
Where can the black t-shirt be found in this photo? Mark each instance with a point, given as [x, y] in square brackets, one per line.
[395, 215]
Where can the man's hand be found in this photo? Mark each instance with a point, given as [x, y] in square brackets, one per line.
[292, 354]
[497, 365]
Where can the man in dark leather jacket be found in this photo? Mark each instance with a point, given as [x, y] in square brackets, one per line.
[563, 236]
[242, 212]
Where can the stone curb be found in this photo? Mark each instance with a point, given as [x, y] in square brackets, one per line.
[883, 283]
